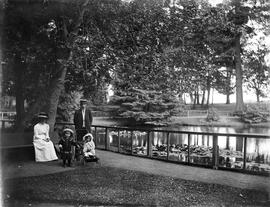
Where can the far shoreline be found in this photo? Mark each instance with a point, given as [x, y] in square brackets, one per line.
[224, 121]
[185, 121]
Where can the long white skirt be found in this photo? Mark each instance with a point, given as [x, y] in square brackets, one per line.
[44, 151]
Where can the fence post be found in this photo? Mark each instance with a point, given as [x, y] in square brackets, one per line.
[245, 153]
[131, 134]
[149, 145]
[168, 143]
[118, 140]
[3, 124]
[96, 135]
[215, 152]
[188, 148]
[107, 141]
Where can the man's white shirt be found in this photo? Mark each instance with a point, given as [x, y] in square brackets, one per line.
[83, 116]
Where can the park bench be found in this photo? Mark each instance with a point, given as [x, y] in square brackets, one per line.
[17, 153]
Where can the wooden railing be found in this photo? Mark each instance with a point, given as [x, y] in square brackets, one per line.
[7, 115]
[196, 148]
[187, 147]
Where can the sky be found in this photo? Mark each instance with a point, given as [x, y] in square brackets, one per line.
[215, 2]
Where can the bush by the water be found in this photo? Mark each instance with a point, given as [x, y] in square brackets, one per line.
[256, 113]
[143, 106]
[212, 115]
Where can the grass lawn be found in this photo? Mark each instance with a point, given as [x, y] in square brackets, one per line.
[98, 185]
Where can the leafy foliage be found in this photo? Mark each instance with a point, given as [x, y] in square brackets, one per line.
[212, 115]
[142, 106]
[256, 70]
[166, 48]
[256, 113]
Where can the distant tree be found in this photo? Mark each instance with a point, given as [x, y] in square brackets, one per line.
[146, 106]
[257, 75]
[223, 82]
[237, 18]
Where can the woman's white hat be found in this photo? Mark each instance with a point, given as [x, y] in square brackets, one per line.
[83, 100]
[43, 115]
[68, 130]
[88, 135]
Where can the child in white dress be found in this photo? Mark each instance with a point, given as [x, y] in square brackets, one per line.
[89, 145]
[89, 149]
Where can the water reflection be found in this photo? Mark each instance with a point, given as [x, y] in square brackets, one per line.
[198, 149]
[215, 129]
[231, 148]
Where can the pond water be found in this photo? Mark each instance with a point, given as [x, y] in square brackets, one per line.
[217, 129]
[200, 149]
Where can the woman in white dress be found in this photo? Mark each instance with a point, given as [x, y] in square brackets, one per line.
[44, 148]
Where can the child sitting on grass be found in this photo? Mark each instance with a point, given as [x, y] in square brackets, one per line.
[89, 147]
[65, 145]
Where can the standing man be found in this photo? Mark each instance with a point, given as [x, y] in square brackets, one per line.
[82, 120]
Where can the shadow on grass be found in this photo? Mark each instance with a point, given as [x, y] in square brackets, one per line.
[113, 186]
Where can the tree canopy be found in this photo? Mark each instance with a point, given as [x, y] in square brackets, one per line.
[56, 49]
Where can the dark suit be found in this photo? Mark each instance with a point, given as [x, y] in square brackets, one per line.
[78, 121]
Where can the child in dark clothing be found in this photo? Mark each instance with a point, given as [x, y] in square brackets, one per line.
[65, 145]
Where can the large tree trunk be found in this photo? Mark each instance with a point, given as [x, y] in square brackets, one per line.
[1, 45]
[208, 91]
[191, 97]
[208, 96]
[239, 76]
[258, 95]
[228, 98]
[57, 86]
[203, 97]
[19, 69]
[197, 97]
[19, 99]
[194, 100]
[59, 81]
[228, 92]
[184, 98]
[213, 95]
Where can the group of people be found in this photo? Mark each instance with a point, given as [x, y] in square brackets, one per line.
[44, 147]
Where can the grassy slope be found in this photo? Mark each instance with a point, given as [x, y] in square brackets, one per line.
[111, 186]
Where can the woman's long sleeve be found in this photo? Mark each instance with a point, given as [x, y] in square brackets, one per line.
[47, 132]
[36, 134]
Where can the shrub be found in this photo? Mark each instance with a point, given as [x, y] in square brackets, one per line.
[212, 115]
[256, 113]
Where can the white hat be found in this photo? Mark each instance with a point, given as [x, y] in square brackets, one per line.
[43, 115]
[88, 135]
[68, 130]
[83, 100]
